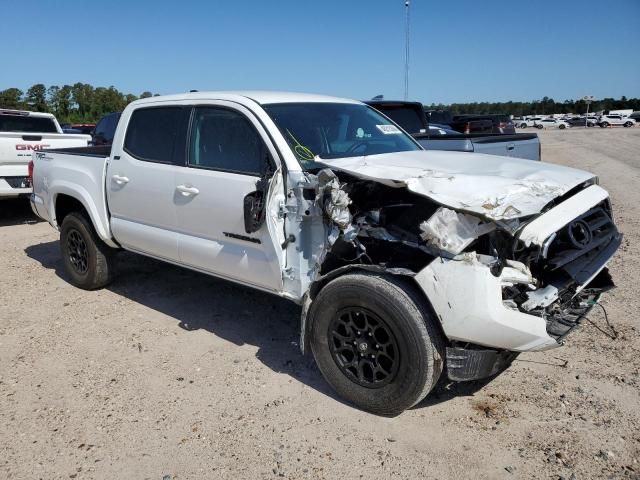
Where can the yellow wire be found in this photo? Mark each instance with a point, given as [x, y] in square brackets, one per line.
[301, 151]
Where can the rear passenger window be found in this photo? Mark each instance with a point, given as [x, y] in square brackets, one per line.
[152, 133]
[222, 139]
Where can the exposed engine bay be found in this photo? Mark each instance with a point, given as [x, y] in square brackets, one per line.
[491, 281]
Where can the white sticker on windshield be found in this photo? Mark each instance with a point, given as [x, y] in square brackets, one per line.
[388, 129]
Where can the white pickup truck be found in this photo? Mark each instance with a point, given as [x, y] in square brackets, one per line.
[21, 133]
[407, 263]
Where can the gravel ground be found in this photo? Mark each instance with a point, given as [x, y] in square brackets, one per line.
[169, 374]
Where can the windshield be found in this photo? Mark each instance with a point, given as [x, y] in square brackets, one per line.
[336, 130]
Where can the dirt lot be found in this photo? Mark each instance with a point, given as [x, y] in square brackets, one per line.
[170, 374]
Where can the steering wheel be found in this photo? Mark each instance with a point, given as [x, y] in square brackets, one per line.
[357, 145]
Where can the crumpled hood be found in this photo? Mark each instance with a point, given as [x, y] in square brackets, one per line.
[499, 188]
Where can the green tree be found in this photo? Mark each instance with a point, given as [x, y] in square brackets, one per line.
[128, 98]
[82, 94]
[146, 95]
[52, 99]
[36, 98]
[63, 101]
[11, 98]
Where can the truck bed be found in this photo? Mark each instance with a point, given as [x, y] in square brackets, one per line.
[520, 145]
[67, 169]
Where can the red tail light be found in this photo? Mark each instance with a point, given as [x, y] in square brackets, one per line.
[30, 174]
[502, 125]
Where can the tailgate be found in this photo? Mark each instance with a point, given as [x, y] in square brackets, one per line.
[16, 148]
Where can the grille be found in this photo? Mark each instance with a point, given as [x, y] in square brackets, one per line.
[590, 232]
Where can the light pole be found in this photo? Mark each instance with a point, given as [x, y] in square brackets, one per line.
[406, 52]
[588, 99]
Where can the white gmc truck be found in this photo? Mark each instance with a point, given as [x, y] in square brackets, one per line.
[408, 264]
[22, 133]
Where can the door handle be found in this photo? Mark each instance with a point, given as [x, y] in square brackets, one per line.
[187, 191]
[120, 180]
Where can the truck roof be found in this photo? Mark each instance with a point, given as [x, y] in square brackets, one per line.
[8, 111]
[262, 97]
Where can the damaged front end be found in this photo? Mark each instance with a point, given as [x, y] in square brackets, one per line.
[498, 284]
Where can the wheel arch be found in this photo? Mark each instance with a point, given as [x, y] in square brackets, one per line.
[65, 201]
[401, 276]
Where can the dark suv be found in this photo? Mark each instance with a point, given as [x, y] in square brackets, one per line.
[105, 129]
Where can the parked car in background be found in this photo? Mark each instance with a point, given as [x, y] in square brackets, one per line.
[635, 116]
[501, 123]
[435, 129]
[616, 120]
[471, 124]
[528, 122]
[412, 117]
[105, 129]
[552, 123]
[439, 117]
[22, 133]
[86, 128]
[408, 264]
[581, 122]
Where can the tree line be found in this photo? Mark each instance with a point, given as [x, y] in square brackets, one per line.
[82, 102]
[545, 106]
[75, 103]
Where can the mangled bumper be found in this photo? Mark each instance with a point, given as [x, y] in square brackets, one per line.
[467, 299]
[478, 300]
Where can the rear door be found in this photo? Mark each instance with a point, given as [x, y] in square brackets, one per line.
[141, 180]
[230, 157]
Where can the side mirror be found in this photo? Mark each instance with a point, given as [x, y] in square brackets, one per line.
[254, 211]
[254, 207]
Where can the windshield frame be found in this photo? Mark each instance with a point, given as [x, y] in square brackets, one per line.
[316, 162]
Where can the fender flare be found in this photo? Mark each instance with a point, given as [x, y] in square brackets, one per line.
[321, 281]
[80, 194]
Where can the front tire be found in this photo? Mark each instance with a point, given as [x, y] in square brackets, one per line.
[539, 127]
[604, 124]
[524, 125]
[376, 342]
[87, 259]
[562, 127]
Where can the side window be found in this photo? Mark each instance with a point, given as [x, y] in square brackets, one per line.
[154, 133]
[222, 139]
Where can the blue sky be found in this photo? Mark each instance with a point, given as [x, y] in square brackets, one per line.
[464, 50]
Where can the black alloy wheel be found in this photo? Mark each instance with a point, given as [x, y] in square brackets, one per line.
[364, 347]
[77, 251]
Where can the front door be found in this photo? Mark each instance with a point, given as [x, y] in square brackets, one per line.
[229, 158]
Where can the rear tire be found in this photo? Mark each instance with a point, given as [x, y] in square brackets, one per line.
[376, 342]
[628, 124]
[87, 259]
